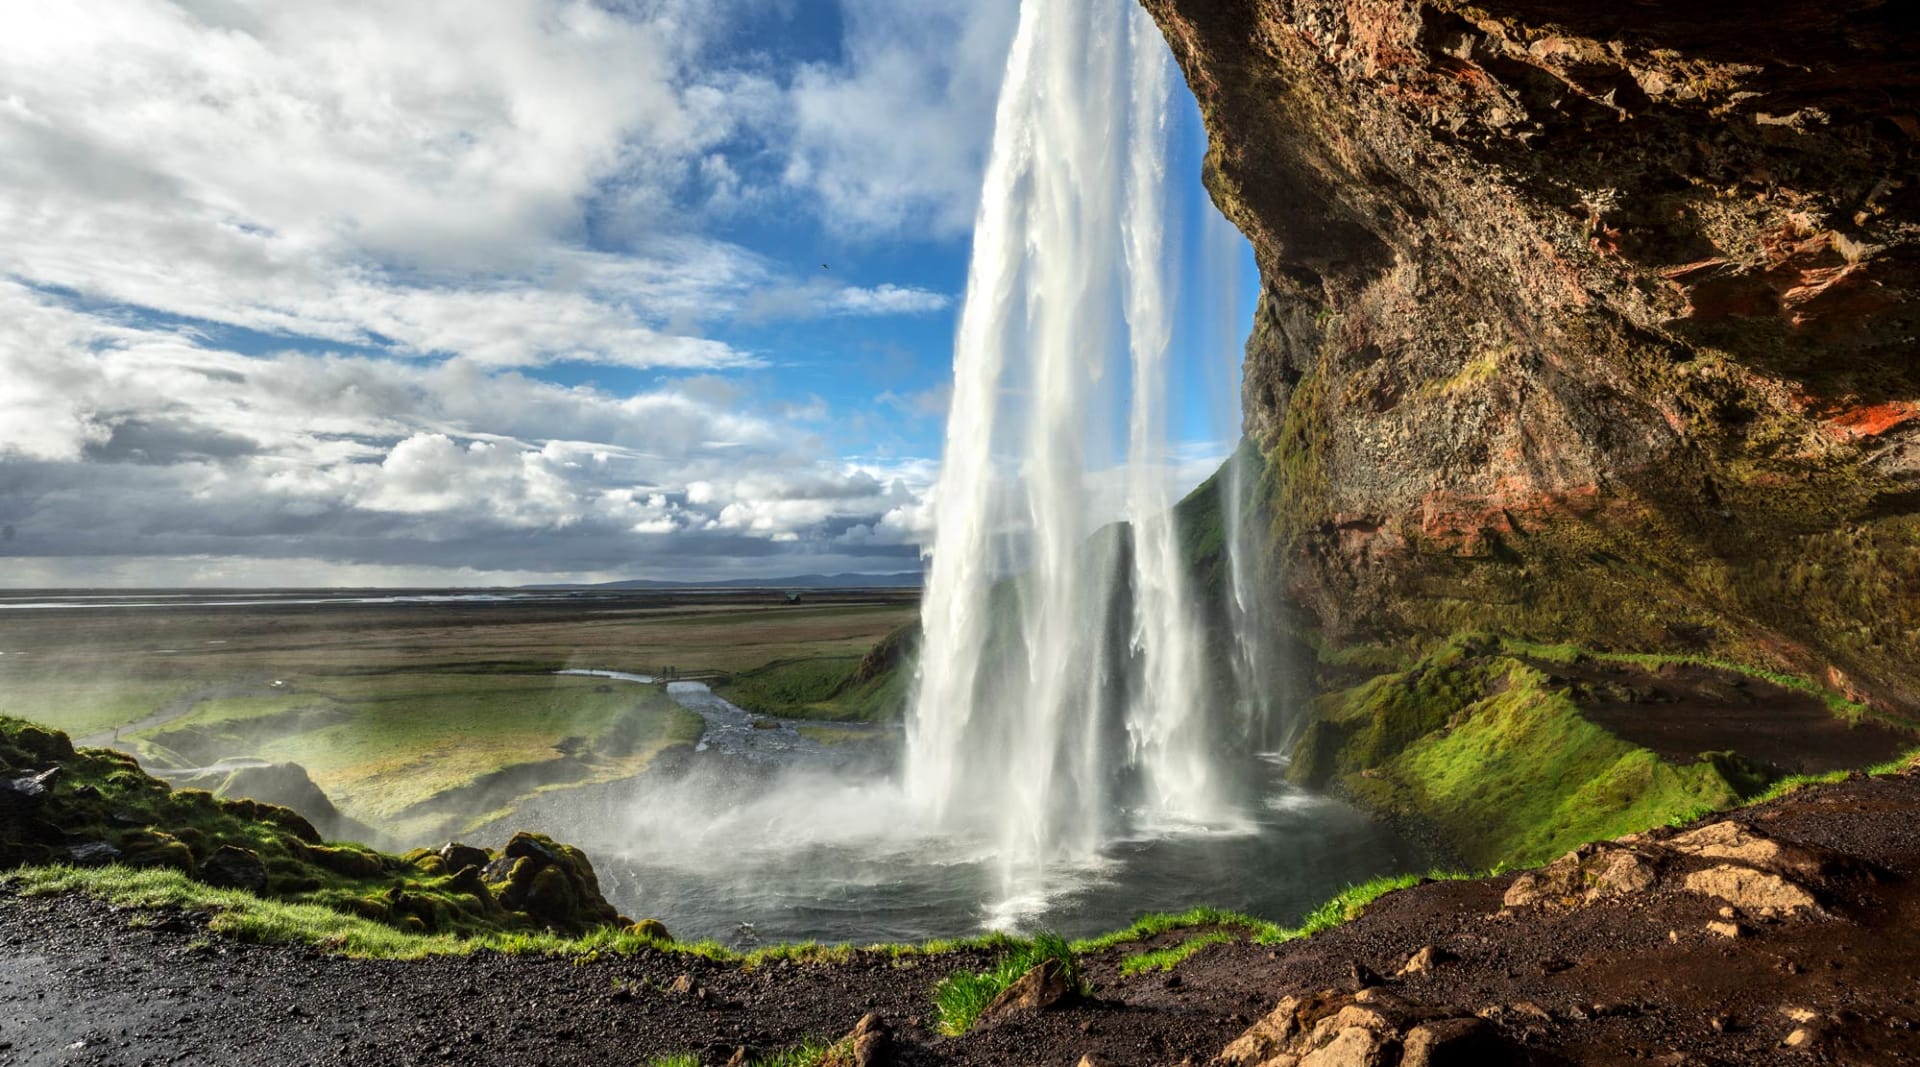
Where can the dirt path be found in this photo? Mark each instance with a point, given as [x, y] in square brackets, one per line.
[1637, 980]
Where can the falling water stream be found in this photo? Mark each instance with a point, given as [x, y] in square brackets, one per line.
[1087, 728]
[1018, 704]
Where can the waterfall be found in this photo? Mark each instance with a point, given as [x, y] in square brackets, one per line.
[1063, 692]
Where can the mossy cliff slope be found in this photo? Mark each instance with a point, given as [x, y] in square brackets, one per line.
[1584, 322]
[97, 808]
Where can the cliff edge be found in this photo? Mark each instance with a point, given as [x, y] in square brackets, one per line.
[1583, 323]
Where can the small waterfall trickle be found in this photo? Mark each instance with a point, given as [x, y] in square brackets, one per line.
[1066, 691]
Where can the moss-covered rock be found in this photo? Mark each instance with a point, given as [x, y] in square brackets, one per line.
[651, 929]
[234, 868]
[156, 848]
[103, 799]
[455, 856]
[551, 883]
[285, 785]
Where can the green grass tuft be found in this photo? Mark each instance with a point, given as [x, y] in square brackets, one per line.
[962, 996]
[1156, 923]
[1166, 959]
[808, 1053]
[1350, 903]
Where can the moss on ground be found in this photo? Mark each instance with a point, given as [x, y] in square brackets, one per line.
[1476, 743]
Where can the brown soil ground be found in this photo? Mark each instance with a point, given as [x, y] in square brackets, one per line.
[1634, 981]
[1682, 710]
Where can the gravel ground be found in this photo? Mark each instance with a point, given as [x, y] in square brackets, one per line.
[1637, 981]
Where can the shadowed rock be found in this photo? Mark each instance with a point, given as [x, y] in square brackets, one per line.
[235, 868]
[1047, 985]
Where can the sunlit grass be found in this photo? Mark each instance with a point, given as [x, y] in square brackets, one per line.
[962, 996]
[1156, 923]
[1165, 959]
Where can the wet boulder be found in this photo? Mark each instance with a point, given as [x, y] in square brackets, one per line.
[36, 786]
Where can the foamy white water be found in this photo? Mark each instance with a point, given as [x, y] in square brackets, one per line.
[1073, 704]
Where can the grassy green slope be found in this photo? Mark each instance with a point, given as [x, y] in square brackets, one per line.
[1480, 746]
[869, 688]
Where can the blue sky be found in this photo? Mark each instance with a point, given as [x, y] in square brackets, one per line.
[443, 293]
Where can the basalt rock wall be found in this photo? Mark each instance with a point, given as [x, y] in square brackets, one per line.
[1584, 322]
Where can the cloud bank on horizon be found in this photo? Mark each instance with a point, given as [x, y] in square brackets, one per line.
[454, 293]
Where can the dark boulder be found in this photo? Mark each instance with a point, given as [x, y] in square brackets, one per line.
[458, 857]
[234, 868]
[94, 854]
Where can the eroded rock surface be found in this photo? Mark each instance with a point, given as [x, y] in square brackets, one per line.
[1751, 872]
[1584, 321]
[1371, 1028]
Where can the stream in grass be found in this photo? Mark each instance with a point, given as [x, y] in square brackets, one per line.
[765, 835]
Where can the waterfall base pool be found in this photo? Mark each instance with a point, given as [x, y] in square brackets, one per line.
[763, 836]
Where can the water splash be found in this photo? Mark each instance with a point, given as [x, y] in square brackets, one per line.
[1058, 709]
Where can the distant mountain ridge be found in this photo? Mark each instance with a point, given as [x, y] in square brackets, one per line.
[895, 580]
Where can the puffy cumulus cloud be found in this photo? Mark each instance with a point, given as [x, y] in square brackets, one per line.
[928, 74]
[120, 444]
[424, 176]
[434, 132]
[285, 281]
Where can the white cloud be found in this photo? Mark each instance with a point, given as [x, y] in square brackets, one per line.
[420, 206]
[116, 440]
[896, 137]
[890, 300]
[420, 175]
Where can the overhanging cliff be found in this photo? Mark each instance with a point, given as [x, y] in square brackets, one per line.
[1584, 322]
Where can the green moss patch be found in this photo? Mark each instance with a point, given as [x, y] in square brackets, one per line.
[134, 835]
[1482, 746]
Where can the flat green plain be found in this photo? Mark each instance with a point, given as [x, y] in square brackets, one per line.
[390, 706]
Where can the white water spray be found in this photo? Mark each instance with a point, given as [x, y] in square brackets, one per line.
[1071, 702]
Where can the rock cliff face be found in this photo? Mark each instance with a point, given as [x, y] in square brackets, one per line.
[1587, 322]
